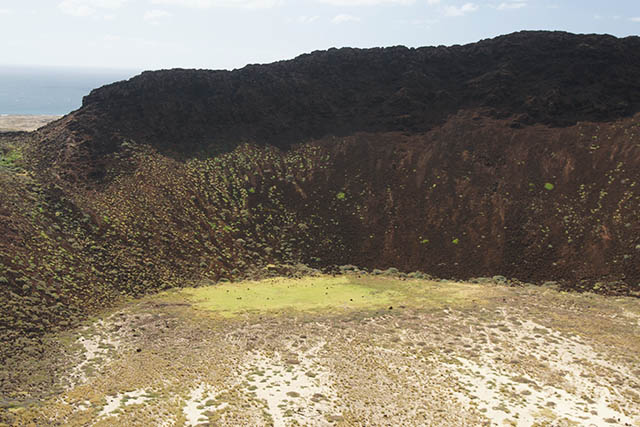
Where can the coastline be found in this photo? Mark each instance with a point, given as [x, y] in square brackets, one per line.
[25, 122]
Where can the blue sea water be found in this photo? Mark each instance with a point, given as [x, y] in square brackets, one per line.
[49, 90]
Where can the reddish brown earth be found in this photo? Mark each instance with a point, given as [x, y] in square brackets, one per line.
[517, 156]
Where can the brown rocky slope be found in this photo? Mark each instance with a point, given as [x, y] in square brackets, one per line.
[516, 156]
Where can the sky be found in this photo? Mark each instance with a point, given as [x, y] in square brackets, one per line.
[228, 34]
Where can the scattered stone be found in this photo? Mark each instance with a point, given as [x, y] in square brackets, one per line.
[391, 271]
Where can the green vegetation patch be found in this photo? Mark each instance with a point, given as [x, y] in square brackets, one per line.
[327, 293]
[10, 158]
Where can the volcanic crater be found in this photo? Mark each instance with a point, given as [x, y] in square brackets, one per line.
[508, 169]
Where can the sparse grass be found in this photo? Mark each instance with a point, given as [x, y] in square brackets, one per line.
[291, 294]
[361, 349]
[328, 293]
[11, 158]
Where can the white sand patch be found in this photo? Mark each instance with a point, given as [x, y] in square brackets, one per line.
[100, 343]
[631, 315]
[198, 404]
[297, 390]
[83, 406]
[585, 372]
[522, 402]
[96, 348]
[584, 394]
[116, 402]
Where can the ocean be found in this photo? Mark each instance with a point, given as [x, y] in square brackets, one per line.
[49, 90]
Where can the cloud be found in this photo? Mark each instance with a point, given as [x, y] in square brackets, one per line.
[459, 11]
[369, 2]
[342, 18]
[512, 5]
[88, 7]
[418, 22]
[4, 11]
[154, 16]
[207, 4]
[111, 41]
[636, 19]
[307, 19]
[75, 8]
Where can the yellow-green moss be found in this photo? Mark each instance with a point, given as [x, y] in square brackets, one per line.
[326, 293]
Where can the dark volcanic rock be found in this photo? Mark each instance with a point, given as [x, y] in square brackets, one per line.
[552, 78]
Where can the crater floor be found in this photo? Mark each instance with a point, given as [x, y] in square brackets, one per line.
[349, 350]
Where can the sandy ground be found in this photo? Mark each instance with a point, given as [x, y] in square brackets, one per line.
[521, 356]
[12, 123]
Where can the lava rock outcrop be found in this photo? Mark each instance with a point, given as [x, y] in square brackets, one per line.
[550, 78]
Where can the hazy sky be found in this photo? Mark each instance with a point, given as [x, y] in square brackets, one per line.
[152, 34]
